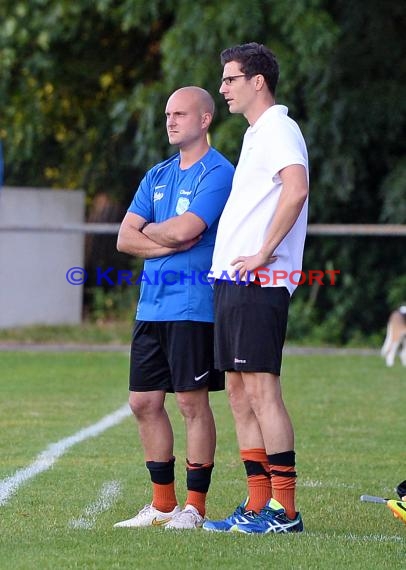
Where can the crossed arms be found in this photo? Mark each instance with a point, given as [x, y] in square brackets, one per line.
[174, 235]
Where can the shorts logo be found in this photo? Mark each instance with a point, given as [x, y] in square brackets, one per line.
[239, 361]
[197, 378]
[182, 205]
[159, 522]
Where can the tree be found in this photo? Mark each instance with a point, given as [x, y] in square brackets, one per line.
[67, 70]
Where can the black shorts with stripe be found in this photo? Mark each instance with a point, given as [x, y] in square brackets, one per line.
[173, 356]
[250, 326]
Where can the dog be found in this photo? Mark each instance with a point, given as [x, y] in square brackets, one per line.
[395, 337]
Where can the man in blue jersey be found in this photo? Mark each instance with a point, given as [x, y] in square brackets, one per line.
[172, 223]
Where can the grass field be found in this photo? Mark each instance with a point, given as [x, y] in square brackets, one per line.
[57, 510]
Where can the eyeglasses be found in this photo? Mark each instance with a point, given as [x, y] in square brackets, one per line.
[228, 80]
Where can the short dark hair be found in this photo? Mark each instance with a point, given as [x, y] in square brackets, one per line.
[254, 59]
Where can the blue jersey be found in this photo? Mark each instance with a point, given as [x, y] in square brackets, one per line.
[175, 287]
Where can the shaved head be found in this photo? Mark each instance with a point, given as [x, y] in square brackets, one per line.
[189, 113]
[200, 97]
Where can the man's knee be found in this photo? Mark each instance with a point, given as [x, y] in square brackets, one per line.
[144, 404]
[262, 389]
[193, 404]
[238, 398]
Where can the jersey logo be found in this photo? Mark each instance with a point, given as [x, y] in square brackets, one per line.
[182, 205]
[158, 196]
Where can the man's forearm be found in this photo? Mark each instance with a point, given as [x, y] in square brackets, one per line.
[293, 196]
[160, 235]
[177, 231]
[166, 233]
[137, 244]
[284, 219]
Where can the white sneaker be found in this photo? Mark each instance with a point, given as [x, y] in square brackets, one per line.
[148, 516]
[188, 518]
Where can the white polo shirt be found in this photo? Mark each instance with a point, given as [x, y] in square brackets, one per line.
[271, 144]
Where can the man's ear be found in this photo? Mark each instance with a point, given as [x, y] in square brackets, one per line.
[259, 82]
[206, 119]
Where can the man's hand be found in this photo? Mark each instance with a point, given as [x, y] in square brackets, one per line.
[247, 264]
[188, 244]
[176, 231]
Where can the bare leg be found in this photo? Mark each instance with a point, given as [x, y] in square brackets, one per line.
[200, 429]
[153, 424]
[265, 397]
[157, 440]
[248, 431]
[251, 444]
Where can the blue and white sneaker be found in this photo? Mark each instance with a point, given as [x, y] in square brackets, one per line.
[272, 518]
[239, 515]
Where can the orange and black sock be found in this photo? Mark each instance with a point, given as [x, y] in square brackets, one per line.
[198, 477]
[258, 478]
[283, 478]
[163, 484]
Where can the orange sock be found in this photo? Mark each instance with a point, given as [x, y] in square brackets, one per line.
[198, 477]
[164, 497]
[258, 478]
[198, 500]
[284, 486]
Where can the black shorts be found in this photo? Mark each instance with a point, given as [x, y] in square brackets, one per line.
[174, 356]
[250, 327]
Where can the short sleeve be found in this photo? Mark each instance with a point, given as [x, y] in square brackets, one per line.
[287, 148]
[142, 203]
[212, 193]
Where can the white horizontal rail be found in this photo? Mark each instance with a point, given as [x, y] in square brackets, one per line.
[393, 230]
[357, 229]
[64, 228]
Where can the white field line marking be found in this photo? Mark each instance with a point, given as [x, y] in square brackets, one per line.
[47, 458]
[107, 497]
[373, 538]
[355, 537]
[317, 483]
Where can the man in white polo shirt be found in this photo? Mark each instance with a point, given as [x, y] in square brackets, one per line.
[259, 244]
